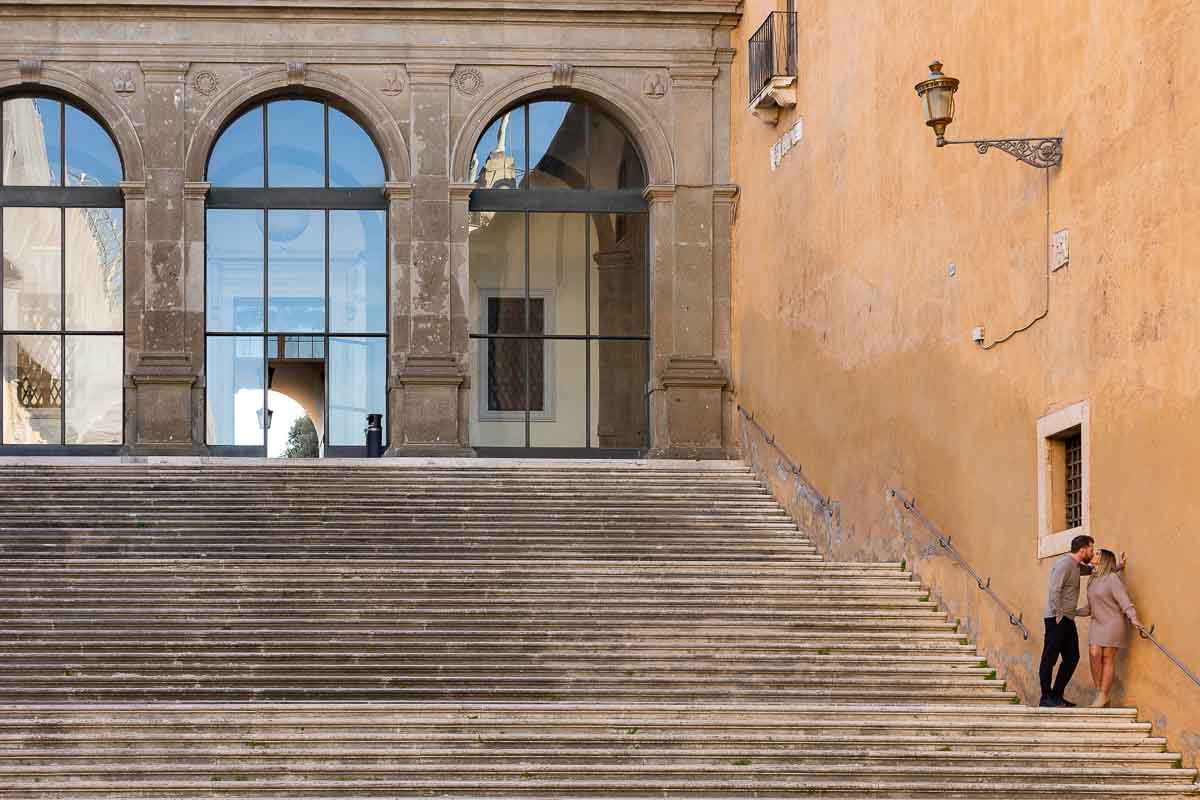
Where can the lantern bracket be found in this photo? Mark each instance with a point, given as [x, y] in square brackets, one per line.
[1042, 152]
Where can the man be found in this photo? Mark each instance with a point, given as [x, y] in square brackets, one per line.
[1062, 637]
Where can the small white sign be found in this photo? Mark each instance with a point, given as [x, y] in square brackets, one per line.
[790, 138]
[1060, 250]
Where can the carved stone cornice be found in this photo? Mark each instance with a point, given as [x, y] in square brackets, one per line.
[461, 192]
[164, 366]
[702, 371]
[659, 193]
[425, 73]
[726, 193]
[430, 370]
[165, 71]
[693, 76]
[398, 191]
[133, 190]
[613, 260]
[196, 190]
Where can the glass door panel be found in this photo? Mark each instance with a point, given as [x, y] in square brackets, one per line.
[563, 422]
[296, 271]
[357, 387]
[236, 391]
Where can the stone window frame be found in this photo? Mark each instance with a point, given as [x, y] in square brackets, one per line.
[1051, 468]
[548, 412]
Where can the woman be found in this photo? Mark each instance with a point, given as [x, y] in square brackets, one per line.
[1108, 605]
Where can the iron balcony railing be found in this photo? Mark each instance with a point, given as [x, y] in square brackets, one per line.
[772, 50]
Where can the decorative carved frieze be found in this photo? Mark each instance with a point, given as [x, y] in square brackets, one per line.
[563, 74]
[30, 69]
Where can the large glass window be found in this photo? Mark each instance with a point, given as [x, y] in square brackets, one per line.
[559, 282]
[62, 235]
[296, 281]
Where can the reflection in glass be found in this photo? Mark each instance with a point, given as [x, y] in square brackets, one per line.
[565, 423]
[295, 143]
[234, 391]
[614, 160]
[33, 389]
[296, 271]
[353, 157]
[499, 159]
[497, 256]
[94, 369]
[620, 416]
[32, 269]
[558, 145]
[557, 269]
[619, 278]
[357, 387]
[234, 271]
[91, 155]
[237, 158]
[492, 428]
[32, 142]
[94, 262]
[358, 271]
[512, 364]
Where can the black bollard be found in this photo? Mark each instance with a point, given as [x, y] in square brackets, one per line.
[374, 432]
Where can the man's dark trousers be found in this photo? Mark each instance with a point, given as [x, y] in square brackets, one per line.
[1062, 640]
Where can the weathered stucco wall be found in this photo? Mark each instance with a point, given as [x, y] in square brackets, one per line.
[852, 338]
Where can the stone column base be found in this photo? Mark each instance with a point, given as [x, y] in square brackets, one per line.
[429, 421]
[163, 407]
[694, 389]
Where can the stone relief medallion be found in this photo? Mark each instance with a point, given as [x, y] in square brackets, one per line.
[206, 83]
[468, 81]
[123, 82]
[655, 86]
[393, 85]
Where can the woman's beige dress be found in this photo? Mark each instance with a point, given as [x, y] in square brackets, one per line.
[1109, 605]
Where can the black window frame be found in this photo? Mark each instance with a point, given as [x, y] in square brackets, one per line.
[527, 200]
[325, 199]
[62, 197]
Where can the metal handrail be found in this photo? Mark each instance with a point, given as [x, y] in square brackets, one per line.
[1148, 633]
[791, 465]
[1017, 620]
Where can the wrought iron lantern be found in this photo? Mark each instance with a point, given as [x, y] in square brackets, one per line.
[937, 101]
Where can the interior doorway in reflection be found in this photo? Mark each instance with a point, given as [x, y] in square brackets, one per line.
[295, 397]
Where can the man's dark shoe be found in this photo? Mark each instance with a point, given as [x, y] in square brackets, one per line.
[1064, 702]
[1049, 701]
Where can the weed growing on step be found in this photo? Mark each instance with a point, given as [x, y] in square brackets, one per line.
[632, 731]
[742, 762]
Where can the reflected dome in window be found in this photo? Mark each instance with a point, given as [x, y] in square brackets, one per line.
[556, 144]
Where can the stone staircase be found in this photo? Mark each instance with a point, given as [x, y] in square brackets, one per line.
[488, 629]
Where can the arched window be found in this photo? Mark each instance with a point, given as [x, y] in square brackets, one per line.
[559, 283]
[296, 282]
[62, 233]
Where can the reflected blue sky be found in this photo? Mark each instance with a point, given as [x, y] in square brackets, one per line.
[92, 158]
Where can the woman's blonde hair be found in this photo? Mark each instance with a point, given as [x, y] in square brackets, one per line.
[1108, 563]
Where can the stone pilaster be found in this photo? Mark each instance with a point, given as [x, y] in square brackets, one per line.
[164, 391]
[690, 371]
[430, 374]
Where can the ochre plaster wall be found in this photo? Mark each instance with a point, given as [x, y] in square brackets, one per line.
[852, 340]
